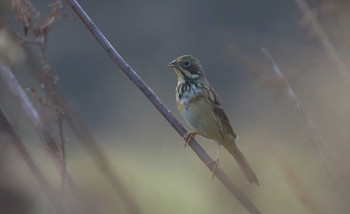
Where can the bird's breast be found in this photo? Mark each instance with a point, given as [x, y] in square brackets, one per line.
[194, 107]
[188, 91]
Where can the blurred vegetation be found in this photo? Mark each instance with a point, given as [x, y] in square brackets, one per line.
[301, 170]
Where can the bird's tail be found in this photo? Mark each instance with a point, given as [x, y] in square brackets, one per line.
[242, 162]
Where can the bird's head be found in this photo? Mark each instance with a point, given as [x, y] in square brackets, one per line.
[187, 68]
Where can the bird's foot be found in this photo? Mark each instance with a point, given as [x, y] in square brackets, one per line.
[187, 137]
[213, 164]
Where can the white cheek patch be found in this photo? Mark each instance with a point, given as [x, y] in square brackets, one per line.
[194, 76]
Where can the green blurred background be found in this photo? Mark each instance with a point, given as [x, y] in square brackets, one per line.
[146, 152]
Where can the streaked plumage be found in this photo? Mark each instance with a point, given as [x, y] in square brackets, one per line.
[201, 107]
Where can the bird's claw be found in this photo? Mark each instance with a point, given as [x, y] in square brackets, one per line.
[215, 166]
[188, 136]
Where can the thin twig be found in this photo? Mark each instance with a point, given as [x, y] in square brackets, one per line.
[50, 85]
[147, 91]
[63, 153]
[10, 134]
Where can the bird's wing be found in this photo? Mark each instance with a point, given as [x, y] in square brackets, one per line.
[222, 119]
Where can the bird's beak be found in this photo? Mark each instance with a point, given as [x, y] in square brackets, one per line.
[173, 64]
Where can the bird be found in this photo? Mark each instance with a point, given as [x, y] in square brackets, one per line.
[202, 109]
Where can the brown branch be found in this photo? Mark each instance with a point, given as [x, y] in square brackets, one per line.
[8, 131]
[147, 91]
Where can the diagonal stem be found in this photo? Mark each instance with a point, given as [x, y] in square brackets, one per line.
[154, 99]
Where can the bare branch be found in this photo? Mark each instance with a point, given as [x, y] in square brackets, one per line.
[147, 91]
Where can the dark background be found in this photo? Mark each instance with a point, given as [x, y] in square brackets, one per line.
[227, 37]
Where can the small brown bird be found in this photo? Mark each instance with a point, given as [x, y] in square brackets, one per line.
[202, 109]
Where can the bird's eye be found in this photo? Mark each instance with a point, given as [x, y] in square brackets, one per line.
[187, 63]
